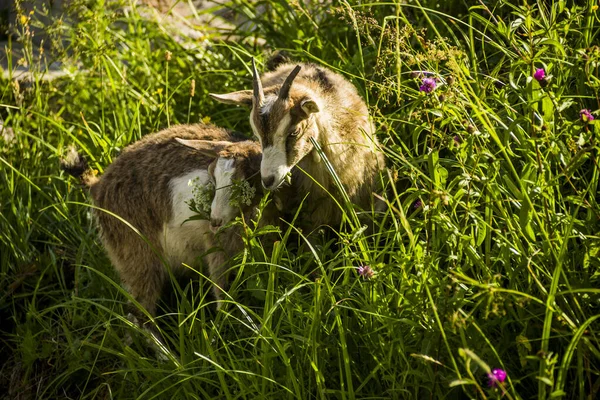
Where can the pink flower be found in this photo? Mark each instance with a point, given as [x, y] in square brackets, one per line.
[586, 115]
[496, 377]
[539, 74]
[428, 85]
[366, 272]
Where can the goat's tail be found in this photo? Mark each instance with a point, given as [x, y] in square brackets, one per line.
[77, 166]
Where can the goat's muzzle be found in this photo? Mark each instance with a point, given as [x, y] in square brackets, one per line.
[268, 181]
[215, 224]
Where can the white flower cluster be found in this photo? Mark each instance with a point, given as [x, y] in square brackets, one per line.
[202, 196]
[242, 193]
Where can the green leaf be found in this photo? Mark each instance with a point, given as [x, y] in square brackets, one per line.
[525, 221]
[545, 380]
[432, 161]
[548, 109]
[481, 232]
[461, 382]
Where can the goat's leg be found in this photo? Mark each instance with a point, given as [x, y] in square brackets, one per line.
[218, 273]
[145, 286]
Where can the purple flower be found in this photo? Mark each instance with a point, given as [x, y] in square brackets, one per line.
[366, 272]
[418, 204]
[586, 115]
[428, 85]
[539, 74]
[457, 140]
[496, 377]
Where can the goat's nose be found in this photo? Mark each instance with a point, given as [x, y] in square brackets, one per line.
[216, 222]
[268, 181]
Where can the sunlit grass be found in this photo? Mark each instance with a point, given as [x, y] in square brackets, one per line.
[486, 258]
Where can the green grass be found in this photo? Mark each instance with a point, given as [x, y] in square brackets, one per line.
[497, 268]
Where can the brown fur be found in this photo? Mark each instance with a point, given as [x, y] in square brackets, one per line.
[342, 128]
[136, 187]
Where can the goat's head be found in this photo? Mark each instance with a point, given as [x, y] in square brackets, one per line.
[283, 120]
[236, 175]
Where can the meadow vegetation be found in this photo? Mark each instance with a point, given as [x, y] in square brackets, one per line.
[486, 259]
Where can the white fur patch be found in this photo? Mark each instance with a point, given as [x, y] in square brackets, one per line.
[274, 163]
[265, 109]
[220, 208]
[268, 104]
[283, 126]
[183, 242]
[256, 134]
[274, 160]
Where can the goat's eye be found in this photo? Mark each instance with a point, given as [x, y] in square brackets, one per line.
[294, 132]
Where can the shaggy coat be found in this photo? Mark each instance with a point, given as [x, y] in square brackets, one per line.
[305, 101]
[145, 192]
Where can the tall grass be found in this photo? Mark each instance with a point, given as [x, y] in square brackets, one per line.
[486, 258]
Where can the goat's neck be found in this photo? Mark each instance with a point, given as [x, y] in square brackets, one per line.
[336, 149]
[313, 165]
[349, 154]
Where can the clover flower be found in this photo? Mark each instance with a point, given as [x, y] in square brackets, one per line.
[539, 74]
[586, 115]
[366, 272]
[496, 377]
[427, 85]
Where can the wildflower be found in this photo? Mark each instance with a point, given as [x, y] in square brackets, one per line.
[539, 74]
[496, 377]
[168, 55]
[457, 140]
[586, 115]
[418, 204]
[366, 272]
[202, 197]
[242, 193]
[428, 85]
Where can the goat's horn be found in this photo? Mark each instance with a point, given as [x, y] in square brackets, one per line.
[259, 95]
[284, 92]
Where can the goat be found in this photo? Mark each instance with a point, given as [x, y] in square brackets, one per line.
[148, 187]
[305, 101]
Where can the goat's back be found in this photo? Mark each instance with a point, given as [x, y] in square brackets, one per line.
[136, 185]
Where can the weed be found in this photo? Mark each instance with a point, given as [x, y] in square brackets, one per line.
[481, 280]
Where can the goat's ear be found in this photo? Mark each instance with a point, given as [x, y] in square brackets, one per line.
[210, 148]
[240, 98]
[211, 168]
[309, 106]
